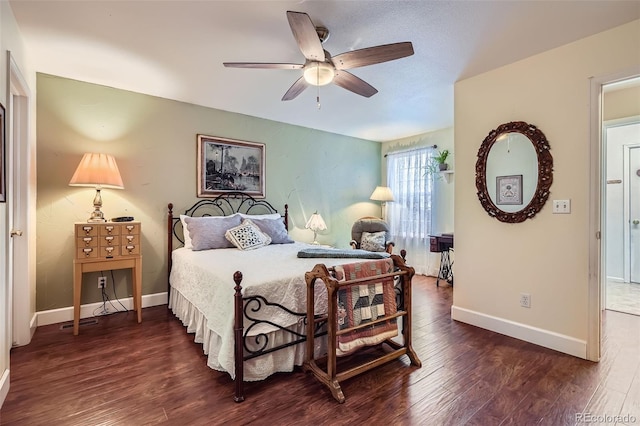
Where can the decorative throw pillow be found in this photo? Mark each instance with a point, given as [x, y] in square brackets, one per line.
[373, 241]
[247, 236]
[275, 229]
[208, 232]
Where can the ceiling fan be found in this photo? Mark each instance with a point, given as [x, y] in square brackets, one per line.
[320, 68]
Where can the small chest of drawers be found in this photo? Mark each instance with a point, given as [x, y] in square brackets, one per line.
[103, 247]
[108, 240]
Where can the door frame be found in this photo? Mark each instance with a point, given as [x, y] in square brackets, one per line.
[19, 267]
[596, 208]
[627, 204]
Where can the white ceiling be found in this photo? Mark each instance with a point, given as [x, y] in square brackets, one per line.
[175, 49]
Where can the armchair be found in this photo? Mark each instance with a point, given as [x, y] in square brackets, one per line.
[372, 234]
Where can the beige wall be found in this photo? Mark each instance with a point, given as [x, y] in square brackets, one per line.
[548, 255]
[154, 142]
[621, 103]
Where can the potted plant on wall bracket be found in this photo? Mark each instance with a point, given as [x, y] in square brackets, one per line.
[441, 159]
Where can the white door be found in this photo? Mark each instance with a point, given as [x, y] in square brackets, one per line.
[634, 213]
[19, 168]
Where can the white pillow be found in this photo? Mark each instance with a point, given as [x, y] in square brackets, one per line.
[373, 241]
[260, 216]
[185, 233]
[247, 236]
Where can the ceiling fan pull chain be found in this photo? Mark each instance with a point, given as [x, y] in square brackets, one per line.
[318, 87]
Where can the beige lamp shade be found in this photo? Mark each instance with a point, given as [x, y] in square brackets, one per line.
[382, 193]
[99, 170]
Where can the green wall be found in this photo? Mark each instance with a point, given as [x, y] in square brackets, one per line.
[154, 143]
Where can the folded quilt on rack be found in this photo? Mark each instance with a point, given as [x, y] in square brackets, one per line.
[341, 253]
[361, 304]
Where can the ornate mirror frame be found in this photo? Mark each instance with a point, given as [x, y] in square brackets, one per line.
[545, 172]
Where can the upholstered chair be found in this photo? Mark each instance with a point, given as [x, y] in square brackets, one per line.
[371, 234]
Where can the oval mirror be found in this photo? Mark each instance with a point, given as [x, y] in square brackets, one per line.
[514, 172]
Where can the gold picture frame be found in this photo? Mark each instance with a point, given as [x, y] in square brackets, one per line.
[229, 165]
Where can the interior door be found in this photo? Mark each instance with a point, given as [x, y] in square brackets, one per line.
[634, 213]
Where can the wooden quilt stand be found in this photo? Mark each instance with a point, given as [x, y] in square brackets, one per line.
[400, 274]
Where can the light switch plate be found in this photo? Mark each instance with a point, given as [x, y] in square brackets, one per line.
[561, 206]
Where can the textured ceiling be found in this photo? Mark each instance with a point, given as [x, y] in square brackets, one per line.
[175, 50]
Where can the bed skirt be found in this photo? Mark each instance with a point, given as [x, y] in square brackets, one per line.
[255, 369]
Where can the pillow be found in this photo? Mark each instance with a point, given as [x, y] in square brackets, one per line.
[208, 232]
[260, 216]
[275, 229]
[247, 236]
[185, 233]
[373, 241]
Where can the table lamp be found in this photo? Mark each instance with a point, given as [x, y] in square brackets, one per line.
[99, 171]
[316, 223]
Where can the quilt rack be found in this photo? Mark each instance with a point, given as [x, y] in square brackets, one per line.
[369, 275]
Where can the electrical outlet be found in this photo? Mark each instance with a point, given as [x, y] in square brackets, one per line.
[525, 300]
[102, 282]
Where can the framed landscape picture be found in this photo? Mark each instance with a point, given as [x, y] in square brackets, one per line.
[509, 189]
[228, 165]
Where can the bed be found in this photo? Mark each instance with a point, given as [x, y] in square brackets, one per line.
[246, 307]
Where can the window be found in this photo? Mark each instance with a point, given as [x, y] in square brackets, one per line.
[409, 216]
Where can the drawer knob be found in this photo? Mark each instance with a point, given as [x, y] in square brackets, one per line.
[87, 229]
[87, 251]
[130, 248]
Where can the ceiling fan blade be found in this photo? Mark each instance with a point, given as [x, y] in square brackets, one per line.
[372, 55]
[295, 89]
[262, 65]
[305, 34]
[348, 81]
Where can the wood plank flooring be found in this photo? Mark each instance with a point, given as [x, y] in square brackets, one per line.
[118, 372]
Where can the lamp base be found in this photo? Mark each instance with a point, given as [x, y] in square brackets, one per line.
[96, 214]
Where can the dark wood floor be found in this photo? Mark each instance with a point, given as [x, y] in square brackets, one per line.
[118, 372]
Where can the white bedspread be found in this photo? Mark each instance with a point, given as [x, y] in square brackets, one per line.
[202, 297]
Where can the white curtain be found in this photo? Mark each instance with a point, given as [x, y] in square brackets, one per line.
[409, 216]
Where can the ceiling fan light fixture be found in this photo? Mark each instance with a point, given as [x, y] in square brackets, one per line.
[319, 73]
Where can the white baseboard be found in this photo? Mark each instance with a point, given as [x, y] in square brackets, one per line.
[548, 339]
[55, 316]
[4, 386]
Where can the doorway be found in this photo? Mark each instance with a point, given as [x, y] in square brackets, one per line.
[621, 141]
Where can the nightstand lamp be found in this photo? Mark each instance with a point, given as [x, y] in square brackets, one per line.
[316, 223]
[99, 171]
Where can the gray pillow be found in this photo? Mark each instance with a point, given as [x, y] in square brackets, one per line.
[275, 229]
[208, 232]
